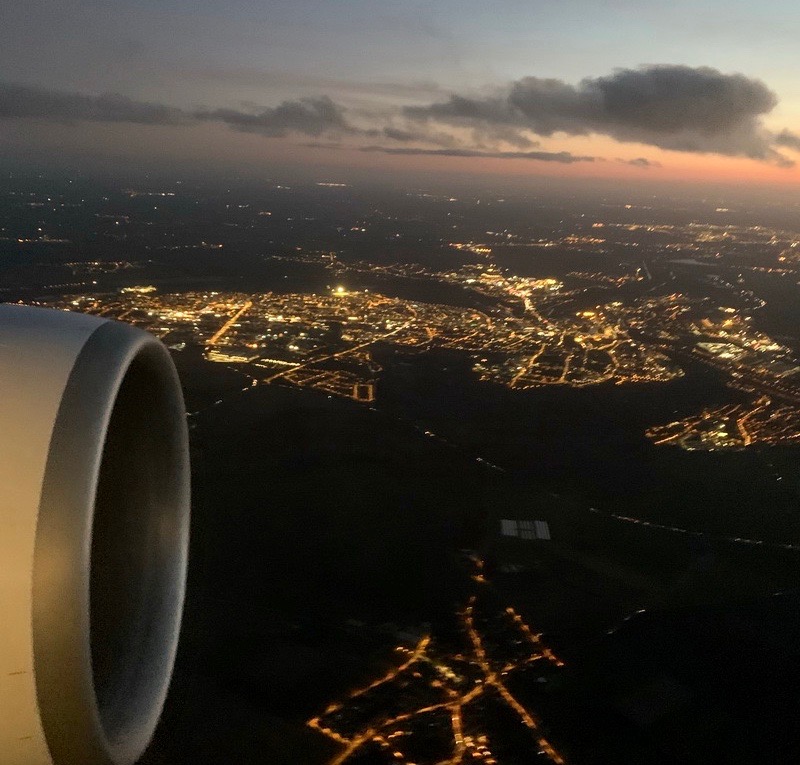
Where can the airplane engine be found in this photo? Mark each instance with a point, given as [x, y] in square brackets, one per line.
[94, 526]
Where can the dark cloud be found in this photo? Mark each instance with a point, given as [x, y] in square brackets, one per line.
[788, 139]
[496, 134]
[672, 107]
[421, 135]
[563, 157]
[640, 162]
[309, 116]
[20, 101]
[397, 134]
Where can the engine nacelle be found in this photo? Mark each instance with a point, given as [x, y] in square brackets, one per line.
[94, 526]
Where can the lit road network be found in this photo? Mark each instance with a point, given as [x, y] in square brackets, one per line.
[439, 695]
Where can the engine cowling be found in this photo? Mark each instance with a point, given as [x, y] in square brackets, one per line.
[94, 525]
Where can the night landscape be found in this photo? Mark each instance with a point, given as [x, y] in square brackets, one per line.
[493, 388]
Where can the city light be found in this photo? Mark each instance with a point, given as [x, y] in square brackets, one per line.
[439, 690]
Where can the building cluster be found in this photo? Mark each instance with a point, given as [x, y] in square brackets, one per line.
[325, 341]
[733, 426]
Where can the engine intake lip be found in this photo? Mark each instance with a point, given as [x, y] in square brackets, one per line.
[110, 552]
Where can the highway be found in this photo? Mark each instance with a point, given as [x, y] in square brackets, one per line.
[217, 336]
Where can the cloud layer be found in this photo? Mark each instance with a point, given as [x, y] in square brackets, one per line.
[308, 116]
[564, 157]
[21, 101]
[672, 107]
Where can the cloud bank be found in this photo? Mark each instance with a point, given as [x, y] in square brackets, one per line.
[673, 107]
[788, 139]
[22, 101]
[563, 157]
[308, 116]
[639, 162]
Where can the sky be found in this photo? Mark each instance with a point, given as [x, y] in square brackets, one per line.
[678, 91]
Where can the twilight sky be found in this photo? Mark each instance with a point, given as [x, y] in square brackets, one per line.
[612, 89]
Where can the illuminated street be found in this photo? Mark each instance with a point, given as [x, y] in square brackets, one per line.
[436, 688]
